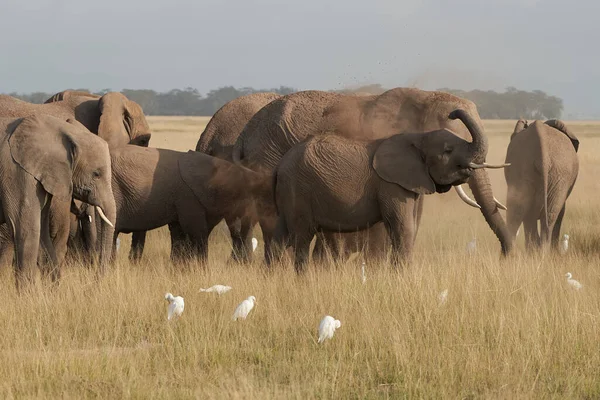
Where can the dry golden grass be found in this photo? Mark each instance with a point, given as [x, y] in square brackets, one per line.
[510, 328]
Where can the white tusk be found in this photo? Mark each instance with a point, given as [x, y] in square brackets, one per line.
[101, 213]
[500, 205]
[90, 218]
[486, 165]
[463, 196]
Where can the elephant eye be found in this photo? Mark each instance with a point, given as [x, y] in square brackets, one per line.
[96, 174]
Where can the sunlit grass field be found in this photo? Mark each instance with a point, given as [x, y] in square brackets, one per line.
[510, 328]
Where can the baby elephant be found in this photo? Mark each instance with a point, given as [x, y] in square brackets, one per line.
[157, 187]
[544, 167]
[330, 183]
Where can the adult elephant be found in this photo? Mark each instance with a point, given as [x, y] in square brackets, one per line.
[335, 183]
[543, 171]
[288, 120]
[112, 116]
[217, 140]
[42, 159]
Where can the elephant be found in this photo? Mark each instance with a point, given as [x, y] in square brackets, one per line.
[290, 119]
[43, 159]
[193, 189]
[113, 117]
[217, 140]
[337, 183]
[543, 171]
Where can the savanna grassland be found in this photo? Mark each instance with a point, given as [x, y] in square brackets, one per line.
[510, 328]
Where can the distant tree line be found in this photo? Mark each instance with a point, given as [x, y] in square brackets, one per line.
[512, 104]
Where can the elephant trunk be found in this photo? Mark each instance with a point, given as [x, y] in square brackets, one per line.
[479, 145]
[482, 191]
[107, 213]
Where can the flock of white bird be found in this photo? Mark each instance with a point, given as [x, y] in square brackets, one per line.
[328, 324]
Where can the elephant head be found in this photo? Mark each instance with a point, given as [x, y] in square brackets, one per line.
[521, 125]
[558, 124]
[69, 163]
[434, 161]
[114, 117]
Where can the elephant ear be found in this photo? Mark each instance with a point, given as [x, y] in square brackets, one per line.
[558, 124]
[40, 146]
[115, 121]
[65, 94]
[398, 160]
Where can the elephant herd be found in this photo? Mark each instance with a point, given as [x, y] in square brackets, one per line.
[351, 169]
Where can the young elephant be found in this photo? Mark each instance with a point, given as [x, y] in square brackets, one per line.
[331, 183]
[543, 171]
[156, 187]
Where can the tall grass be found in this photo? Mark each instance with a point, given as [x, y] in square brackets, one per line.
[511, 328]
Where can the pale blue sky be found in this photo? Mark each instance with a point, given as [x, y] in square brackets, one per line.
[551, 45]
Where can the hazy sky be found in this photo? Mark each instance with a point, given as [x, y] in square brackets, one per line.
[551, 45]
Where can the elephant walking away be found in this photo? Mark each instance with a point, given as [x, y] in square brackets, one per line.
[334, 183]
[544, 168]
[43, 159]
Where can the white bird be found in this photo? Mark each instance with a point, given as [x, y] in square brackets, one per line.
[564, 244]
[175, 307]
[254, 244]
[443, 296]
[118, 245]
[327, 328]
[219, 289]
[244, 308]
[576, 285]
[364, 275]
[472, 246]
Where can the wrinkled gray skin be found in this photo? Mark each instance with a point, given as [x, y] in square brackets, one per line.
[112, 117]
[292, 118]
[157, 187]
[217, 140]
[42, 159]
[333, 183]
[543, 171]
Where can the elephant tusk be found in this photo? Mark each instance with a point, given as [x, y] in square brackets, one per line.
[101, 213]
[486, 165]
[463, 196]
[500, 205]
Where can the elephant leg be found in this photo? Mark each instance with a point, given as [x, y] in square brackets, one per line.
[60, 232]
[279, 243]
[241, 240]
[398, 217]
[195, 224]
[7, 249]
[557, 226]
[138, 241]
[377, 242]
[532, 238]
[302, 249]
[319, 253]
[180, 242]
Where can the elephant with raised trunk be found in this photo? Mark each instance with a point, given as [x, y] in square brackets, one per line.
[543, 171]
[335, 183]
[290, 119]
[43, 159]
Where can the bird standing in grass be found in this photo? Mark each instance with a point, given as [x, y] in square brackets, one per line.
[219, 289]
[327, 328]
[175, 307]
[244, 308]
[564, 244]
[575, 284]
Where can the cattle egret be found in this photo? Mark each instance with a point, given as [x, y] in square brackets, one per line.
[327, 328]
[564, 244]
[244, 308]
[472, 246]
[576, 285]
[364, 275]
[254, 244]
[219, 289]
[175, 307]
[443, 296]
